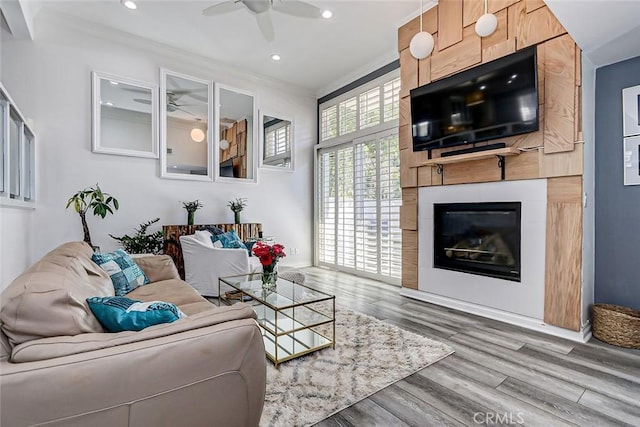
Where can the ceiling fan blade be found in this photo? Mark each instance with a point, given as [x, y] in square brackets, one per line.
[297, 8]
[142, 101]
[257, 6]
[265, 25]
[222, 8]
[198, 97]
[183, 110]
[133, 89]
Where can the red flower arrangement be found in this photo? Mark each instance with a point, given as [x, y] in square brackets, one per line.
[269, 256]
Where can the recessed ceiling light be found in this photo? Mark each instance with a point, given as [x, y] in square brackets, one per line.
[110, 104]
[483, 87]
[129, 4]
[514, 76]
[113, 83]
[275, 57]
[327, 14]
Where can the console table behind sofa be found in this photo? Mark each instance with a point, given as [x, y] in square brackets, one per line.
[172, 235]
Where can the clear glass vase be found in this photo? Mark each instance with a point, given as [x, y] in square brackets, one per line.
[269, 277]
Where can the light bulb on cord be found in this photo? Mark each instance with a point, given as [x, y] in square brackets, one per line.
[421, 44]
[487, 23]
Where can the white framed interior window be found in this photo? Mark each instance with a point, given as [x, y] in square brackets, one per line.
[277, 142]
[17, 156]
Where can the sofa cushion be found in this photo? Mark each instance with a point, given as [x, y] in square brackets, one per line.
[124, 272]
[174, 291]
[60, 346]
[49, 299]
[158, 267]
[117, 314]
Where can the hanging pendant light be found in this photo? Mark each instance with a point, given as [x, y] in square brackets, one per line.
[422, 43]
[487, 23]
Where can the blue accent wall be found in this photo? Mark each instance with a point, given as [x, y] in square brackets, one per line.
[617, 207]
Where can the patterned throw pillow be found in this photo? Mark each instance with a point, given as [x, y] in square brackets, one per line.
[213, 230]
[117, 314]
[230, 240]
[124, 272]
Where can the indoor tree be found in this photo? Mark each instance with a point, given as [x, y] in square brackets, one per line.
[92, 198]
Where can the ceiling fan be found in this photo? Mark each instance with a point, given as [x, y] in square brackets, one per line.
[261, 8]
[172, 102]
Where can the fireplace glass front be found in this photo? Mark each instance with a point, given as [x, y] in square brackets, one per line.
[478, 238]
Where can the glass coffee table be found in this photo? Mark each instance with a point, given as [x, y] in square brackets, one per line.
[289, 316]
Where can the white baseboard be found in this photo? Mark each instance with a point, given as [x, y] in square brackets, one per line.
[526, 322]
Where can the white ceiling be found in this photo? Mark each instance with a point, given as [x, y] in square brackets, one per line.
[322, 55]
[317, 54]
[607, 31]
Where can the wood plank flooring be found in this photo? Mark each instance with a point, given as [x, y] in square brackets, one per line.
[500, 374]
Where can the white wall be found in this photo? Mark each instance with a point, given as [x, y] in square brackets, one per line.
[50, 79]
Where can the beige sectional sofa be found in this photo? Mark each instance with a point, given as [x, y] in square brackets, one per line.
[59, 367]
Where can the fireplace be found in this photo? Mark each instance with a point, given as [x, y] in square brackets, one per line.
[478, 238]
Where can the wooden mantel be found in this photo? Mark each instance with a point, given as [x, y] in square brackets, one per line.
[468, 157]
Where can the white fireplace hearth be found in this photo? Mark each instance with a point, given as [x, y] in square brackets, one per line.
[520, 303]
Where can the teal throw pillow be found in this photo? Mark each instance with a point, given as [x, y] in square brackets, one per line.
[249, 245]
[230, 240]
[117, 314]
[125, 274]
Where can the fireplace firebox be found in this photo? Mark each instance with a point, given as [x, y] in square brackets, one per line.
[478, 238]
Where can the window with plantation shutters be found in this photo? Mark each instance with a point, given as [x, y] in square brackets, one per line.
[327, 206]
[358, 181]
[359, 198]
[369, 108]
[391, 100]
[348, 111]
[355, 115]
[329, 123]
[276, 141]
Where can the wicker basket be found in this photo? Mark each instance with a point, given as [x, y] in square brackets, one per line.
[616, 325]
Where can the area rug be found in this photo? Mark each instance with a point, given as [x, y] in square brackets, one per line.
[369, 356]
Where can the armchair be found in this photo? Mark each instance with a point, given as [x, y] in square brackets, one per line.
[204, 264]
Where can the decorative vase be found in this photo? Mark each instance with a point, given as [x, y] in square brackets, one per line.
[236, 217]
[191, 217]
[269, 276]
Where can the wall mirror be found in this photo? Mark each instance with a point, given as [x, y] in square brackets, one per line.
[236, 135]
[277, 145]
[124, 116]
[185, 137]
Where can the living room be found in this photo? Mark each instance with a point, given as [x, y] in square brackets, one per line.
[49, 78]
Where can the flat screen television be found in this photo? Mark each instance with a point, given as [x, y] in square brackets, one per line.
[491, 101]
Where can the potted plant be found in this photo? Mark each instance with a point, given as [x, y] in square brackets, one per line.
[92, 198]
[141, 242]
[236, 207]
[191, 208]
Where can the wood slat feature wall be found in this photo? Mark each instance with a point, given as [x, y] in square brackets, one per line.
[409, 209]
[449, 23]
[562, 295]
[410, 259]
[555, 151]
[559, 94]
